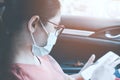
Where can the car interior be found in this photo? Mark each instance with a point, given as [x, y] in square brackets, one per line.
[82, 37]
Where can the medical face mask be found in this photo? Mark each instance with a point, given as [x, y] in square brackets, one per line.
[42, 51]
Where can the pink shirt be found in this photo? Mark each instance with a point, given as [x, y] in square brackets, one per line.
[48, 70]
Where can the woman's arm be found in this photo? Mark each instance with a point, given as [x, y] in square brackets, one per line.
[78, 76]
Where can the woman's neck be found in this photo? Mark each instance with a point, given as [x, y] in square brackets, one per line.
[23, 54]
[22, 49]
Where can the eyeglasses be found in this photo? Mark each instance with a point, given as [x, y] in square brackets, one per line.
[58, 28]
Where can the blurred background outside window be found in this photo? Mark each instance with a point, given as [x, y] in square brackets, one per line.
[109, 9]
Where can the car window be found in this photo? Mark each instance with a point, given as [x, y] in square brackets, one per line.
[109, 9]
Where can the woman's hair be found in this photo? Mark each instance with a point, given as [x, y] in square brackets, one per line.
[15, 14]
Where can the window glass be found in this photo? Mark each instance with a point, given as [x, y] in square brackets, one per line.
[92, 8]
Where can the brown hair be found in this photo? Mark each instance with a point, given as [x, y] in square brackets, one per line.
[16, 13]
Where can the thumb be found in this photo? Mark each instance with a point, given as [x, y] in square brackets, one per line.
[89, 62]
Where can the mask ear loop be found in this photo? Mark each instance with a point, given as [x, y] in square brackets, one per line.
[34, 42]
[36, 59]
[43, 26]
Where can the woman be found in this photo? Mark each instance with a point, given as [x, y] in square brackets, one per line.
[30, 29]
[28, 34]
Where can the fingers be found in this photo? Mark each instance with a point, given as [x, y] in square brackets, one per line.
[91, 59]
[89, 62]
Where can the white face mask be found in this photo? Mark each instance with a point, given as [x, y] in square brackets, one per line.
[41, 51]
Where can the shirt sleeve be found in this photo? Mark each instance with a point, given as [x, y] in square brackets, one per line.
[55, 64]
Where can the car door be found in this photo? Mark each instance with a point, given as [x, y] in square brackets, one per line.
[82, 37]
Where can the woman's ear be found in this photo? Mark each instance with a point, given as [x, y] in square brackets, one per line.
[32, 23]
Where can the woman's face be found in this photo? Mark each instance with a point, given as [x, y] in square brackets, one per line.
[43, 32]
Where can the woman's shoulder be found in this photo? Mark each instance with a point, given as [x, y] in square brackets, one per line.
[16, 71]
[22, 71]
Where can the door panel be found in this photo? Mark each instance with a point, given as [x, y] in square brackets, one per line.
[73, 50]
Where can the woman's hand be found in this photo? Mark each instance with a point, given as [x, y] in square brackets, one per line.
[89, 62]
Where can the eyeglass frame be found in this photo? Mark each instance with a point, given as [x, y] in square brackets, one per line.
[58, 27]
